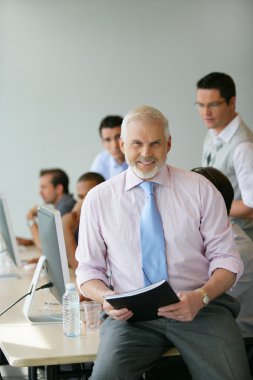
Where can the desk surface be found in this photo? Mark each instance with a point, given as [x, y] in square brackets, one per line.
[25, 344]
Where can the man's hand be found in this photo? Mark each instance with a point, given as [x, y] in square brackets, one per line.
[32, 213]
[185, 310]
[120, 314]
[97, 290]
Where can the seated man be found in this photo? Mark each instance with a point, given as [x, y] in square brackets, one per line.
[193, 249]
[54, 190]
[243, 290]
[70, 221]
[111, 161]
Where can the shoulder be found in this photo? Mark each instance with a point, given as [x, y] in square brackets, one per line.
[244, 142]
[177, 174]
[243, 133]
[101, 157]
[68, 198]
[65, 204]
[244, 126]
[192, 184]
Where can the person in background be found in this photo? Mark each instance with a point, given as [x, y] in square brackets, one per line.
[112, 160]
[70, 221]
[243, 290]
[54, 190]
[193, 242]
[229, 143]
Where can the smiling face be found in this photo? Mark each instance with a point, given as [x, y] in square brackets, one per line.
[145, 147]
[214, 110]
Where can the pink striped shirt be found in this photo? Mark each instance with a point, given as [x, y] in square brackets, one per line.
[198, 234]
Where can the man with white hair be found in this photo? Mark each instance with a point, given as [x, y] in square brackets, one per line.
[197, 255]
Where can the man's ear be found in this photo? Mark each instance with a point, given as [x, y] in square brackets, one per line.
[59, 188]
[232, 102]
[168, 144]
[121, 145]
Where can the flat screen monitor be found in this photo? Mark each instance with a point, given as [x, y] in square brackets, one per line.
[7, 237]
[53, 264]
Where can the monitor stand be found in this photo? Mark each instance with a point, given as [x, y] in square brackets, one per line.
[42, 315]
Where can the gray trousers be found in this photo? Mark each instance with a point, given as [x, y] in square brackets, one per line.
[211, 345]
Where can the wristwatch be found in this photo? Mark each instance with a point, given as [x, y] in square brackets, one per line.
[30, 222]
[205, 298]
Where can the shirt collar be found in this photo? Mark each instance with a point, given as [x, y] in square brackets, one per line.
[113, 163]
[161, 178]
[227, 133]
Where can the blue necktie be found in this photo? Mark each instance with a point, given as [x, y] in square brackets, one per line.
[152, 239]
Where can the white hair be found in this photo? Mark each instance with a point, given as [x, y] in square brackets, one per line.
[145, 113]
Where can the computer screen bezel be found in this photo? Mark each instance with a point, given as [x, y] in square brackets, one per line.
[7, 231]
[55, 266]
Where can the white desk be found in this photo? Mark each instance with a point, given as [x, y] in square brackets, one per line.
[26, 345]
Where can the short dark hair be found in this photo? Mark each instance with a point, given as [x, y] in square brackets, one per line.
[91, 176]
[59, 177]
[110, 121]
[218, 81]
[220, 181]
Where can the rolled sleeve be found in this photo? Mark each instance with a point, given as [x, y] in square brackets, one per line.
[243, 163]
[235, 266]
[91, 250]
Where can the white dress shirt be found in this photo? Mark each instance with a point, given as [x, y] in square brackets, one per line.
[198, 239]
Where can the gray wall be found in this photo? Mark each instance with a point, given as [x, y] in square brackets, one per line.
[66, 64]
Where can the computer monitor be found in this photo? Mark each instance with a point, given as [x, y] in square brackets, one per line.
[53, 261]
[8, 240]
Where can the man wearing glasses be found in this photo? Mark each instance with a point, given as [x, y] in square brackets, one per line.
[228, 145]
[111, 161]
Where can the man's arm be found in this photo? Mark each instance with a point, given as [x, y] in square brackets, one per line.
[245, 247]
[96, 290]
[191, 301]
[240, 210]
[243, 165]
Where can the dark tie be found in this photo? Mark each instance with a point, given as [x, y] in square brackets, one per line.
[152, 239]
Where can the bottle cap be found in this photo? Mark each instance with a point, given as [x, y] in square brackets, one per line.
[70, 286]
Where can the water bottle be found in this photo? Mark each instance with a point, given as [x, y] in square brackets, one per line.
[71, 311]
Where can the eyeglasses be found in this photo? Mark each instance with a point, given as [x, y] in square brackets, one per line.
[210, 106]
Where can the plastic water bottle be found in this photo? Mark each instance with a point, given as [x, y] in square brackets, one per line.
[71, 311]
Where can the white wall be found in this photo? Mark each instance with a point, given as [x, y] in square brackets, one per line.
[65, 64]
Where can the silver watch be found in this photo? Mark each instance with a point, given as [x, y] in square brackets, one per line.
[30, 222]
[205, 298]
